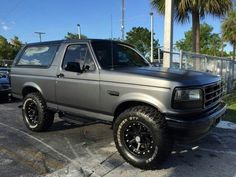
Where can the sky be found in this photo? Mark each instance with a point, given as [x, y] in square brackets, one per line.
[57, 17]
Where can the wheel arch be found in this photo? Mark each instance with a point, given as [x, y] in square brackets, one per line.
[130, 103]
[30, 87]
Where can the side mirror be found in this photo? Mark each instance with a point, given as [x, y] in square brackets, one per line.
[73, 67]
[86, 67]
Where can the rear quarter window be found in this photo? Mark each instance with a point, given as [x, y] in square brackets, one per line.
[38, 56]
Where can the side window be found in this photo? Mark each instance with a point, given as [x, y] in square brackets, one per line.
[79, 54]
[41, 56]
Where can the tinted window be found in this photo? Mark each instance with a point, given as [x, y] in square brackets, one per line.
[79, 54]
[38, 56]
[117, 55]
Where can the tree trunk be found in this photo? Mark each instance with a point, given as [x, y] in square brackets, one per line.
[196, 36]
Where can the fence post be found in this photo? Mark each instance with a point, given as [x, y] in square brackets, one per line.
[221, 67]
[159, 55]
[205, 63]
[181, 59]
[233, 73]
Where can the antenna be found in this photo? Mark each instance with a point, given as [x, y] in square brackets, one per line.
[123, 20]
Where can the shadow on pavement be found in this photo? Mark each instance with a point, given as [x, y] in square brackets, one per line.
[8, 100]
[64, 125]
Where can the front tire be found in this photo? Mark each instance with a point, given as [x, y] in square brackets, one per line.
[141, 137]
[35, 114]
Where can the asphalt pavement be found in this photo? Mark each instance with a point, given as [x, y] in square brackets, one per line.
[88, 150]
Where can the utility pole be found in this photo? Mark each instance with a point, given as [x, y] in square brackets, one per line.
[123, 20]
[152, 31]
[79, 30]
[168, 33]
[40, 35]
[111, 27]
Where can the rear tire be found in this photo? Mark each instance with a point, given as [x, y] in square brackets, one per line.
[141, 137]
[35, 113]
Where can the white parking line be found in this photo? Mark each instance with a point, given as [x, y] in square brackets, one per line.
[215, 151]
[207, 150]
[38, 140]
[77, 166]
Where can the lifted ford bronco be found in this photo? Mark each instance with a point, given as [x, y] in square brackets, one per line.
[149, 107]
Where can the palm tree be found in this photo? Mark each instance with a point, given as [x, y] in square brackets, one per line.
[74, 36]
[229, 30]
[197, 9]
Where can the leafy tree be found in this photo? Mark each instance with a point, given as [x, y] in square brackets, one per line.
[74, 36]
[211, 43]
[140, 38]
[197, 9]
[15, 45]
[8, 50]
[229, 30]
[4, 47]
[15, 41]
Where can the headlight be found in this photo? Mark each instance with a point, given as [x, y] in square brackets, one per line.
[187, 98]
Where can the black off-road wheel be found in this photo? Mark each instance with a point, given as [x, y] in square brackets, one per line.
[35, 114]
[141, 137]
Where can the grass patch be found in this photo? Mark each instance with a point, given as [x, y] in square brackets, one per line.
[231, 109]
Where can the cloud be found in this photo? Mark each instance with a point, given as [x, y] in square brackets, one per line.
[4, 26]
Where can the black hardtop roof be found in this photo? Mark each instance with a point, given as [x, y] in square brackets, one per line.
[71, 41]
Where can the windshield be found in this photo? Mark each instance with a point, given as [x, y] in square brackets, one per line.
[123, 56]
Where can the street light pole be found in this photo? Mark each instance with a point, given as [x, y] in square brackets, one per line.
[152, 31]
[40, 35]
[123, 20]
[79, 30]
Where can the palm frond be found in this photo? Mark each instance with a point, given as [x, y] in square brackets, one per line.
[217, 7]
[159, 5]
[183, 8]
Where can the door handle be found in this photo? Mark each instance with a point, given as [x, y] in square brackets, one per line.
[113, 93]
[60, 75]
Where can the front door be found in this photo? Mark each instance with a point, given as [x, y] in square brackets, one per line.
[77, 90]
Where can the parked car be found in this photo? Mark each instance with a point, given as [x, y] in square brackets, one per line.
[5, 86]
[148, 107]
[5, 70]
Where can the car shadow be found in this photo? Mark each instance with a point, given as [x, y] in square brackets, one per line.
[209, 156]
[61, 124]
[8, 100]
[206, 156]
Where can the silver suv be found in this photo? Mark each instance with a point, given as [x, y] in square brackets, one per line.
[148, 107]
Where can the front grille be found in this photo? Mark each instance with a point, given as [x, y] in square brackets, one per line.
[213, 94]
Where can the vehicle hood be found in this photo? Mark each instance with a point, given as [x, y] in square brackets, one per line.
[163, 76]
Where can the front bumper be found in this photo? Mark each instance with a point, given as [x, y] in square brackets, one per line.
[198, 126]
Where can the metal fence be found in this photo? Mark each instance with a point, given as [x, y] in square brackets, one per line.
[224, 67]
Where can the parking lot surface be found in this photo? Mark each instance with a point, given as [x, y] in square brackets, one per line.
[88, 150]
